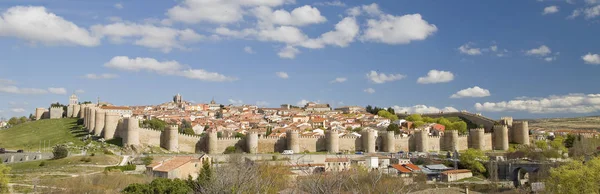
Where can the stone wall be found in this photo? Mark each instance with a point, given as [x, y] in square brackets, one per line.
[150, 137]
[189, 143]
[463, 142]
[223, 143]
[312, 144]
[350, 144]
[271, 144]
[402, 143]
[434, 143]
[56, 112]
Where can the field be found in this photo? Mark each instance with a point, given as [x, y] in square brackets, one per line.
[31, 135]
[580, 123]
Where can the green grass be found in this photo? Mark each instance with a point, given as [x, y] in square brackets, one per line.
[28, 136]
[50, 165]
[471, 179]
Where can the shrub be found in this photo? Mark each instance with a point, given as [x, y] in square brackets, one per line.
[147, 160]
[93, 154]
[43, 163]
[86, 159]
[108, 152]
[275, 157]
[60, 151]
[230, 150]
[129, 167]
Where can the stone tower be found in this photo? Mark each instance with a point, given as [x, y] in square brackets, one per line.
[520, 132]
[171, 135]
[99, 122]
[73, 99]
[177, 99]
[70, 108]
[81, 110]
[39, 112]
[132, 134]
[508, 121]
[368, 140]
[333, 141]
[212, 143]
[76, 110]
[92, 120]
[389, 142]
[422, 140]
[111, 121]
[501, 137]
[451, 140]
[292, 137]
[477, 138]
[252, 142]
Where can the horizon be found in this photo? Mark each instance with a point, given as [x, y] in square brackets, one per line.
[526, 59]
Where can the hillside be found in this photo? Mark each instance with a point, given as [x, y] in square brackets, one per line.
[579, 123]
[30, 136]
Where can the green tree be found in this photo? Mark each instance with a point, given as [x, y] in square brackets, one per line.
[575, 177]
[388, 115]
[60, 151]
[31, 117]
[473, 159]
[4, 171]
[204, 178]
[429, 120]
[219, 134]
[155, 124]
[189, 131]
[230, 150]
[391, 110]
[185, 124]
[23, 119]
[417, 124]
[414, 117]
[369, 109]
[569, 141]
[541, 144]
[239, 135]
[394, 127]
[269, 130]
[13, 121]
[461, 126]
[160, 185]
[147, 160]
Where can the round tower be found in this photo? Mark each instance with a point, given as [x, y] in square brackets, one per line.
[39, 112]
[84, 116]
[452, 140]
[520, 132]
[422, 140]
[132, 134]
[252, 142]
[477, 138]
[111, 121]
[368, 139]
[70, 108]
[172, 138]
[92, 123]
[76, 110]
[333, 141]
[389, 142]
[213, 141]
[99, 125]
[292, 137]
[81, 110]
[501, 137]
[506, 121]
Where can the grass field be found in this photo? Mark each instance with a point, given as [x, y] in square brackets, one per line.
[49, 165]
[580, 123]
[29, 136]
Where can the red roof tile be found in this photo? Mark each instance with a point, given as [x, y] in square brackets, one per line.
[401, 168]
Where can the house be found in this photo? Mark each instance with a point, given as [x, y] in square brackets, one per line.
[123, 111]
[3, 124]
[433, 171]
[437, 129]
[314, 107]
[318, 122]
[372, 162]
[351, 109]
[300, 119]
[178, 167]
[455, 175]
[337, 164]
[406, 170]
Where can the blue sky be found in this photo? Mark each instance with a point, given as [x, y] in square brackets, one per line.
[525, 58]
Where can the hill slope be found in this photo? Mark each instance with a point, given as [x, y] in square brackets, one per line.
[579, 123]
[29, 136]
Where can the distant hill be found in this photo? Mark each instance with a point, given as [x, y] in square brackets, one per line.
[578, 123]
[28, 136]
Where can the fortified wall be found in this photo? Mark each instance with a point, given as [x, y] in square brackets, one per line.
[110, 126]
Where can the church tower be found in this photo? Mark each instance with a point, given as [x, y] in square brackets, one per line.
[177, 99]
[73, 99]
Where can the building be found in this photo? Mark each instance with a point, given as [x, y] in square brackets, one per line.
[351, 109]
[73, 99]
[455, 175]
[337, 164]
[213, 105]
[122, 110]
[177, 99]
[406, 170]
[314, 107]
[178, 167]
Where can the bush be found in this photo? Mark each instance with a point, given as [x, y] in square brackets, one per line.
[43, 163]
[129, 167]
[108, 152]
[230, 150]
[275, 157]
[93, 154]
[86, 159]
[60, 151]
[147, 160]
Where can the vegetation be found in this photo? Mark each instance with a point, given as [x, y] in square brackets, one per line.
[394, 127]
[16, 121]
[230, 150]
[159, 185]
[62, 164]
[4, 171]
[575, 177]
[155, 124]
[452, 123]
[30, 135]
[60, 151]
[129, 167]
[388, 115]
[186, 128]
[107, 182]
[472, 159]
[583, 147]
[147, 160]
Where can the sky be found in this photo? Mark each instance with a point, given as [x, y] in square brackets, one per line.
[520, 58]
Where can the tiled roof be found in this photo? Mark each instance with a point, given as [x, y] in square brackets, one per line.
[401, 168]
[456, 171]
[412, 166]
[115, 108]
[174, 163]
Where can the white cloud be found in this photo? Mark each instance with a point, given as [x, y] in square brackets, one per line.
[249, 50]
[369, 90]
[80, 91]
[284, 34]
[18, 110]
[590, 58]
[392, 29]
[262, 103]
[119, 6]
[436, 76]
[589, 13]
[100, 76]
[421, 109]
[345, 33]
[474, 92]
[467, 49]
[339, 80]
[336, 3]
[7, 81]
[549, 59]
[17, 90]
[355, 11]
[571, 103]
[541, 51]
[591, 2]
[282, 75]
[165, 68]
[550, 10]
[380, 78]
[36, 25]
[236, 102]
[148, 35]
[57, 90]
[288, 52]
[300, 16]
[216, 11]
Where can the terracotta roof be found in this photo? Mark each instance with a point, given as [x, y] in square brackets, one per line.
[456, 171]
[401, 168]
[412, 166]
[174, 163]
[336, 159]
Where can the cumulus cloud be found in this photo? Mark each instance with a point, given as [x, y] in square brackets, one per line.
[590, 58]
[392, 29]
[299, 16]
[571, 103]
[435, 76]
[288, 52]
[100, 76]
[17, 90]
[282, 75]
[119, 6]
[248, 50]
[369, 90]
[37, 25]
[336, 3]
[588, 13]
[148, 35]
[164, 67]
[219, 12]
[236, 102]
[345, 33]
[339, 80]
[550, 10]
[57, 90]
[422, 109]
[380, 78]
[302, 102]
[541, 51]
[474, 92]
[468, 50]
